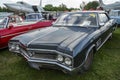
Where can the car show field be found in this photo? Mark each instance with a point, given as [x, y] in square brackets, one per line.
[60, 40]
[105, 65]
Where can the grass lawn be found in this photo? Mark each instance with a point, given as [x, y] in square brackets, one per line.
[106, 66]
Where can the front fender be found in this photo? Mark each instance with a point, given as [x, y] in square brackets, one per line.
[81, 57]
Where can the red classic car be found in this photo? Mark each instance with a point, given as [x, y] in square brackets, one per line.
[12, 26]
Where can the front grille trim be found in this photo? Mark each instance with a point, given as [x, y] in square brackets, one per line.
[43, 55]
[50, 51]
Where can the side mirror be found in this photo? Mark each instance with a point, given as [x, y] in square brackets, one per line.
[10, 26]
[112, 21]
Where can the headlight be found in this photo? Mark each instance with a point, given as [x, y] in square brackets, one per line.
[60, 58]
[12, 46]
[17, 47]
[68, 61]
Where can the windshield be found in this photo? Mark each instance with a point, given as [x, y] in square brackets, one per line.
[33, 17]
[77, 19]
[3, 22]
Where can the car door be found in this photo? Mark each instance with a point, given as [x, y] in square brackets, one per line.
[11, 30]
[41, 24]
[106, 26]
[17, 28]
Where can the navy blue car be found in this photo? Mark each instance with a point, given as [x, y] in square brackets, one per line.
[69, 45]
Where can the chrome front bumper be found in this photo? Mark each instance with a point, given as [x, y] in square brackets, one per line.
[38, 63]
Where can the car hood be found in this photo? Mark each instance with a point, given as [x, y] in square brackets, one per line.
[54, 37]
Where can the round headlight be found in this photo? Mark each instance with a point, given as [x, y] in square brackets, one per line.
[68, 61]
[60, 58]
[31, 53]
[17, 47]
[12, 47]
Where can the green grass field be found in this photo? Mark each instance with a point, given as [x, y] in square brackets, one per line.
[106, 66]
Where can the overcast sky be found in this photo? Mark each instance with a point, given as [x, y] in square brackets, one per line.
[69, 3]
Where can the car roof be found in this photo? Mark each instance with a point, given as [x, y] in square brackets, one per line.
[99, 11]
[115, 10]
[32, 13]
[5, 14]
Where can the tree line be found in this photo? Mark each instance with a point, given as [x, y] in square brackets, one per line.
[91, 5]
[61, 7]
[4, 9]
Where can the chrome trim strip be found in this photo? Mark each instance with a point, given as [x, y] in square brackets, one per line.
[85, 57]
[7, 23]
[55, 63]
[13, 34]
[42, 59]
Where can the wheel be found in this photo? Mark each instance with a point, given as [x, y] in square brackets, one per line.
[88, 61]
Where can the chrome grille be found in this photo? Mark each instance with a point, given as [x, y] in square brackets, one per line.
[44, 55]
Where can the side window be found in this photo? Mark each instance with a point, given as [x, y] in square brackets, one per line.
[12, 19]
[103, 18]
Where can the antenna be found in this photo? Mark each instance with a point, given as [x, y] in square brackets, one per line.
[101, 3]
[40, 3]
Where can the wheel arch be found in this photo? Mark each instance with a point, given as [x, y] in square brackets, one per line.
[89, 49]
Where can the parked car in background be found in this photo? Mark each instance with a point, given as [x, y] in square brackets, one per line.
[115, 14]
[46, 15]
[4, 14]
[33, 17]
[13, 25]
[69, 45]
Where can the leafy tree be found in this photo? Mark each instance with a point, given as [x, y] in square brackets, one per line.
[0, 9]
[62, 7]
[92, 5]
[49, 7]
[4, 9]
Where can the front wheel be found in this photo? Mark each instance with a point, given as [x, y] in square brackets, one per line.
[110, 36]
[88, 61]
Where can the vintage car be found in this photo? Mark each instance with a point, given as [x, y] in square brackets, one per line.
[47, 15]
[13, 25]
[69, 45]
[115, 14]
[33, 17]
